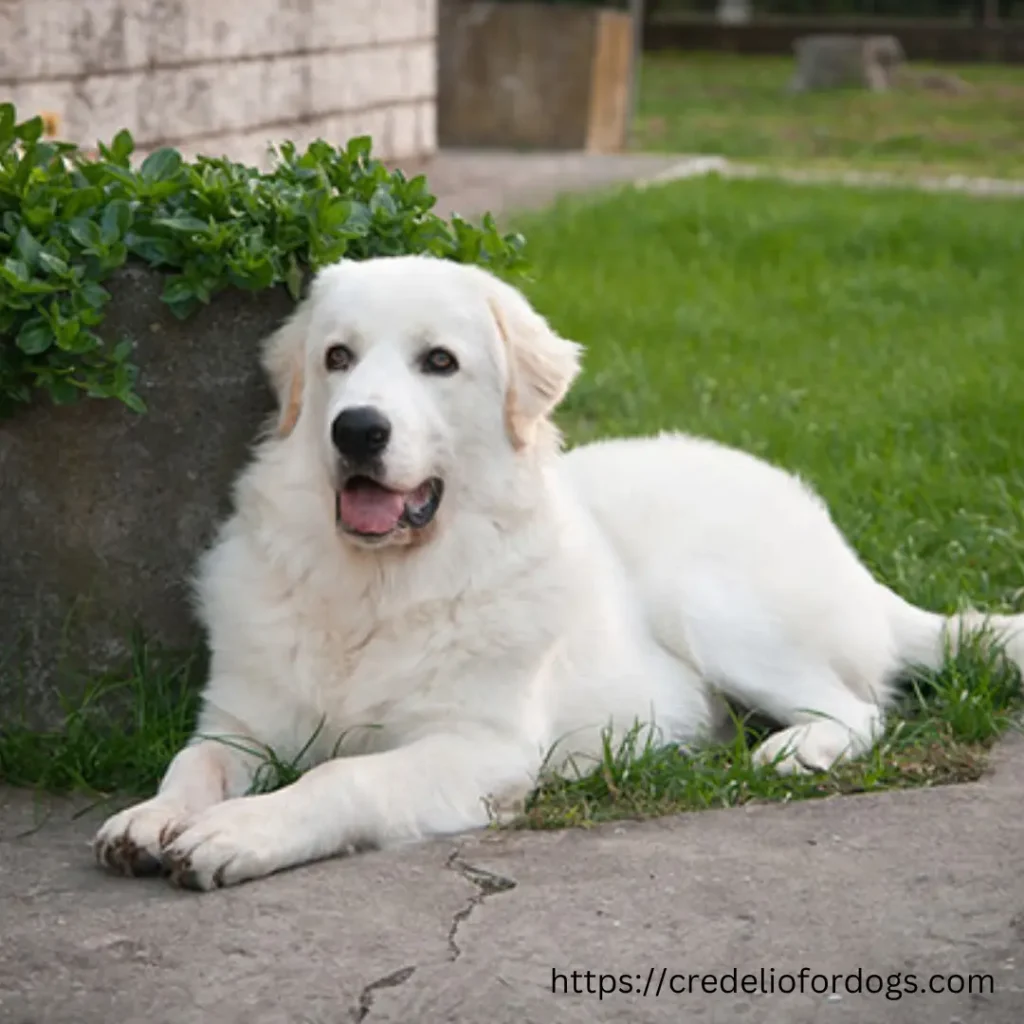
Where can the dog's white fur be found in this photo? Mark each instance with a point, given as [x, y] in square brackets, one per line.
[555, 597]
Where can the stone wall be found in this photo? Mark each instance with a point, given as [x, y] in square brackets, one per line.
[225, 77]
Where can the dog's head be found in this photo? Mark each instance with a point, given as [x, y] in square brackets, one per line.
[417, 380]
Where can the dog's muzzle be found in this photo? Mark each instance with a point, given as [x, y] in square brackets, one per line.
[365, 508]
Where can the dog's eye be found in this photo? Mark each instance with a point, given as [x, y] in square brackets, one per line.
[338, 357]
[439, 361]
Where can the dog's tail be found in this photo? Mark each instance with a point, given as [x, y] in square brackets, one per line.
[925, 639]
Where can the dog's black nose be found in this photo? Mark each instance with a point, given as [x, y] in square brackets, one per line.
[361, 433]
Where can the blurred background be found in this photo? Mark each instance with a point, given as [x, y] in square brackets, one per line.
[908, 85]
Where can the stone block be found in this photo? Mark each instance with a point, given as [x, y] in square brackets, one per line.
[419, 70]
[104, 511]
[356, 79]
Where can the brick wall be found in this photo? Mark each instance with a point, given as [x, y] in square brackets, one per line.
[226, 76]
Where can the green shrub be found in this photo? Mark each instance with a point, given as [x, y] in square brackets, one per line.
[68, 221]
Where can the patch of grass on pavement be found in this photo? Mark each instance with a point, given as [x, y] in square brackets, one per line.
[872, 342]
[739, 107]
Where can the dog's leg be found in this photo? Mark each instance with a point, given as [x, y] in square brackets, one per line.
[202, 774]
[437, 785]
[826, 723]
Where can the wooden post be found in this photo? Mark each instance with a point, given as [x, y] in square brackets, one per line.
[636, 9]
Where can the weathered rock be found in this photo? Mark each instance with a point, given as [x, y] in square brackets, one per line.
[103, 512]
[846, 61]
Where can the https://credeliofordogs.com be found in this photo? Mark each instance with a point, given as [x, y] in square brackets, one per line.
[661, 981]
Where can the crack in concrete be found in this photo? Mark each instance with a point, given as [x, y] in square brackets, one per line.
[392, 980]
[487, 883]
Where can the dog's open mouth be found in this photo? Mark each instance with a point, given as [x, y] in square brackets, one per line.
[367, 508]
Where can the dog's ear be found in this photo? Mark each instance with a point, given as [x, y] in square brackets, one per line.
[284, 363]
[542, 365]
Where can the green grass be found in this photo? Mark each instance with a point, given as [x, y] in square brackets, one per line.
[873, 342]
[119, 732]
[739, 107]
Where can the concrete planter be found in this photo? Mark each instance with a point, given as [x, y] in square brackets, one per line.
[103, 512]
[534, 76]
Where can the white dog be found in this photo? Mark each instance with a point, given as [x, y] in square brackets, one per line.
[418, 580]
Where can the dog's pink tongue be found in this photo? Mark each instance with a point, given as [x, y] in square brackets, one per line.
[370, 509]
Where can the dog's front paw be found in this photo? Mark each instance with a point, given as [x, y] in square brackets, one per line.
[130, 842]
[228, 843]
[802, 749]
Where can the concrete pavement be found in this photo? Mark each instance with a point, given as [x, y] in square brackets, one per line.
[471, 930]
[471, 182]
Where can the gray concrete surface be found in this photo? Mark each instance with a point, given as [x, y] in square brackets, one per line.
[473, 181]
[699, 166]
[470, 930]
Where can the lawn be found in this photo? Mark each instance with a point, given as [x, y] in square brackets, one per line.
[871, 341]
[738, 107]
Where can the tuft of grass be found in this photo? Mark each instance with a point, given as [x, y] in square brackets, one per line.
[739, 107]
[118, 734]
[939, 734]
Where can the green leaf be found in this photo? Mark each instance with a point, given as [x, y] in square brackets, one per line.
[184, 223]
[359, 148]
[122, 147]
[293, 279]
[17, 270]
[116, 220]
[67, 335]
[133, 402]
[81, 199]
[52, 264]
[382, 203]
[7, 120]
[30, 131]
[161, 165]
[155, 251]
[94, 294]
[27, 248]
[63, 391]
[255, 276]
[114, 256]
[180, 295]
[122, 350]
[35, 337]
[86, 233]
